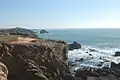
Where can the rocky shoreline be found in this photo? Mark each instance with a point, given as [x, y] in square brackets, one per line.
[31, 58]
[101, 70]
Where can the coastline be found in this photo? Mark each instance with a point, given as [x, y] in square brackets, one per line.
[42, 59]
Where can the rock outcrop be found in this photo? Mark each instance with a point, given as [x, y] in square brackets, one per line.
[97, 74]
[74, 45]
[35, 60]
[19, 31]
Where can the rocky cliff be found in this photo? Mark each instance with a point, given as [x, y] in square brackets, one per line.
[35, 60]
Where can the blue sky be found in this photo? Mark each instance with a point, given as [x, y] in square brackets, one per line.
[60, 13]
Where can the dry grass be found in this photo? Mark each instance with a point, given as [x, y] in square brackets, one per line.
[18, 39]
[9, 37]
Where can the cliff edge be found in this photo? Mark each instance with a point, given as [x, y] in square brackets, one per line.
[34, 59]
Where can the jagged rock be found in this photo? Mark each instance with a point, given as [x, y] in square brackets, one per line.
[44, 60]
[117, 53]
[42, 31]
[19, 31]
[115, 67]
[3, 71]
[74, 45]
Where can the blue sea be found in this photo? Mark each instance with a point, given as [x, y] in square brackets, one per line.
[109, 38]
[105, 42]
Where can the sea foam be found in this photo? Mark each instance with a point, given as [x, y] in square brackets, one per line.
[92, 57]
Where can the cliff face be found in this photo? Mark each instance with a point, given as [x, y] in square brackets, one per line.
[36, 60]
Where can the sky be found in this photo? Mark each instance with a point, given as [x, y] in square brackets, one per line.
[60, 14]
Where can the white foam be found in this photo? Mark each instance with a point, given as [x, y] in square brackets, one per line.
[93, 58]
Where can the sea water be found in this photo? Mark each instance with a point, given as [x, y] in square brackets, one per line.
[105, 43]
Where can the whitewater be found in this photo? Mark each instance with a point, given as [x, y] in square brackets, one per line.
[91, 57]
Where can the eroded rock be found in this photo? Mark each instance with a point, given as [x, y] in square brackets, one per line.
[46, 60]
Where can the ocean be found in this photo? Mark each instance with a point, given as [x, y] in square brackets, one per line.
[103, 38]
[105, 42]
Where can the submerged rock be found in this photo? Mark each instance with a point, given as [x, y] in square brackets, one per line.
[117, 53]
[41, 60]
[74, 45]
[93, 50]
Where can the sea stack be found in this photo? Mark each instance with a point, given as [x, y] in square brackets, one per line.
[43, 31]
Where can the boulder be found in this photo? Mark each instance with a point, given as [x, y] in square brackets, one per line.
[74, 45]
[42, 31]
[117, 53]
[115, 67]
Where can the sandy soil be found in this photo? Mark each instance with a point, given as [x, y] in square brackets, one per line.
[23, 40]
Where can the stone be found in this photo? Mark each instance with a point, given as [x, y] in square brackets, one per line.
[117, 53]
[74, 45]
[115, 66]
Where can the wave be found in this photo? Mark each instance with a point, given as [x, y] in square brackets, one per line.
[92, 57]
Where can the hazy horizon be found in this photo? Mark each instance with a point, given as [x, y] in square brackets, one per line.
[60, 14]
